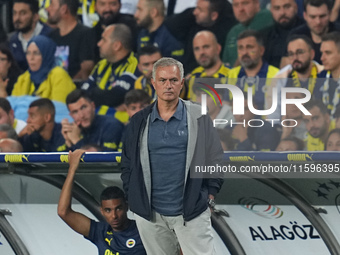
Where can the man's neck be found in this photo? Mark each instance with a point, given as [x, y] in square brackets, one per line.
[67, 25]
[254, 71]
[156, 23]
[336, 73]
[318, 38]
[47, 132]
[212, 70]
[167, 108]
[305, 75]
[118, 56]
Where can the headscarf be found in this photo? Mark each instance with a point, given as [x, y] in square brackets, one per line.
[47, 48]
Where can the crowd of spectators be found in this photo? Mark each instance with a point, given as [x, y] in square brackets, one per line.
[66, 59]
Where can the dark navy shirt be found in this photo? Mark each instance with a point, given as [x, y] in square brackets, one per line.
[167, 142]
[125, 242]
[35, 143]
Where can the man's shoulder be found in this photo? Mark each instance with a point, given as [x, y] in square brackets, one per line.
[302, 29]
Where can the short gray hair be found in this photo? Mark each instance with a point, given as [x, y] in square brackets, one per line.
[163, 62]
[9, 130]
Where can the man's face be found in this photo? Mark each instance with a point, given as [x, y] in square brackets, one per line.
[36, 118]
[245, 10]
[206, 50]
[82, 112]
[145, 64]
[249, 52]
[107, 10]
[53, 10]
[317, 19]
[115, 213]
[23, 17]
[317, 124]
[283, 11]
[330, 55]
[300, 55]
[202, 13]
[168, 83]
[105, 44]
[142, 15]
[133, 108]
[6, 118]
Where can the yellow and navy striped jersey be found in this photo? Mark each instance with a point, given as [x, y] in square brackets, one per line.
[199, 72]
[259, 84]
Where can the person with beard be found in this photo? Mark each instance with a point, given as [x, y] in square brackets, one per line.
[318, 125]
[26, 24]
[317, 17]
[117, 234]
[147, 56]
[89, 128]
[329, 85]
[212, 15]
[285, 17]
[42, 133]
[115, 74]
[109, 13]
[250, 16]
[150, 16]
[301, 72]
[207, 54]
[253, 72]
[75, 42]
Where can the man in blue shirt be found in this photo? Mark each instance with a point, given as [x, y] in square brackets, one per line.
[167, 140]
[42, 133]
[150, 17]
[118, 234]
[89, 128]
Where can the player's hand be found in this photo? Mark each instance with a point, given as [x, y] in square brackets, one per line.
[74, 159]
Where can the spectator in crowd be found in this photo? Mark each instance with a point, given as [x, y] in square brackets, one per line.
[285, 18]
[9, 71]
[162, 203]
[26, 24]
[250, 138]
[226, 139]
[89, 128]
[150, 16]
[43, 78]
[318, 125]
[147, 56]
[329, 91]
[207, 54]
[337, 117]
[290, 144]
[316, 15]
[42, 133]
[333, 140]
[136, 100]
[301, 71]
[118, 234]
[250, 16]
[253, 72]
[3, 34]
[116, 73]
[75, 42]
[109, 13]
[213, 15]
[10, 145]
[7, 116]
[7, 131]
[216, 110]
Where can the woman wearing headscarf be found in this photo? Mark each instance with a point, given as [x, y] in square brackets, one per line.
[43, 78]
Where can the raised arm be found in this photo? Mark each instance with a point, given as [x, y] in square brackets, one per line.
[77, 221]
